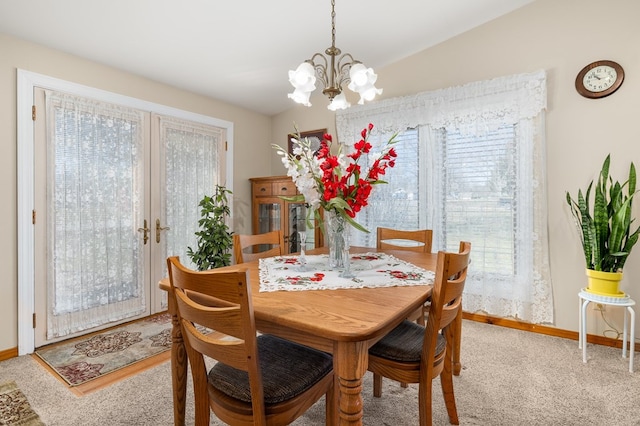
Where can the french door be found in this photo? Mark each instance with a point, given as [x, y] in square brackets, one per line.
[116, 191]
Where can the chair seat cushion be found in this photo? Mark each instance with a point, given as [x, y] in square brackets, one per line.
[288, 369]
[404, 343]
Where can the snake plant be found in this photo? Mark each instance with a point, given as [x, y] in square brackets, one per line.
[605, 230]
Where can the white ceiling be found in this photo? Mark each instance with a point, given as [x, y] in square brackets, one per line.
[240, 51]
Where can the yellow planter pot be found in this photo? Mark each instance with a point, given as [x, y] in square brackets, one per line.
[604, 283]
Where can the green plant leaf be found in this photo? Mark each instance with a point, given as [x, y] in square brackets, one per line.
[605, 231]
[214, 239]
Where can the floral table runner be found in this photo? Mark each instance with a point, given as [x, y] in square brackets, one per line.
[370, 270]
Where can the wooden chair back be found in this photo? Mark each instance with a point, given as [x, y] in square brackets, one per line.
[225, 308]
[446, 296]
[247, 248]
[418, 240]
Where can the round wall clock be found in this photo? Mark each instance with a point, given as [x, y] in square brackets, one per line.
[599, 79]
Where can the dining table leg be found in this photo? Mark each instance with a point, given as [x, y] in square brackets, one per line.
[350, 361]
[179, 365]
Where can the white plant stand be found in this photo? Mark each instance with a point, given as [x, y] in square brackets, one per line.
[629, 314]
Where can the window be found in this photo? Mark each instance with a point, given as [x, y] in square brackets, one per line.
[470, 167]
[477, 195]
[400, 193]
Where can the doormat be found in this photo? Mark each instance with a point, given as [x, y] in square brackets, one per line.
[87, 358]
[14, 407]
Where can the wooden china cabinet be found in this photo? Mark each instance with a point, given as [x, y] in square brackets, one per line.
[270, 212]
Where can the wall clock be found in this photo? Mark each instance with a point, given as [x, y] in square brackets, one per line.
[599, 79]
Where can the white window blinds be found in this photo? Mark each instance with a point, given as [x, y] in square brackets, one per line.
[479, 197]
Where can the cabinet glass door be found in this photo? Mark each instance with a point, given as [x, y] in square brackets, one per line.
[268, 217]
[297, 214]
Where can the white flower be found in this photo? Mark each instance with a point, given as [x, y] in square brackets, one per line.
[304, 169]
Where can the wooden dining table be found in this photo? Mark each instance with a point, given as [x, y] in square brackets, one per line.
[344, 322]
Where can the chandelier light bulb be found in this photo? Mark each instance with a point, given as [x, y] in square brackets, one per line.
[339, 102]
[367, 93]
[361, 78]
[303, 77]
[300, 97]
[358, 75]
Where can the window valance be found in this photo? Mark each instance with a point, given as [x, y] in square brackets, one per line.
[474, 109]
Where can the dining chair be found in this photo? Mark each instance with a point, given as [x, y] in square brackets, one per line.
[397, 239]
[257, 380]
[412, 353]
[251, 247]
[416, 240]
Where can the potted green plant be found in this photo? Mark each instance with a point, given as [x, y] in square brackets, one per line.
[214, 238]
[605, 228]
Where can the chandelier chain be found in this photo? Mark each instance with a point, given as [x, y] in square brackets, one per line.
[333, 23]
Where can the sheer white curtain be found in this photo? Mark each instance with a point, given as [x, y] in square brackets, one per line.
[193, 165]
[473, 113]
[95, 168]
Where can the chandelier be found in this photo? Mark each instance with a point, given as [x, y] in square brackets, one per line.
[333, 70]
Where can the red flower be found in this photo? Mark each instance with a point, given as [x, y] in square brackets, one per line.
[351, 187]
[341, 184]
[362, 146]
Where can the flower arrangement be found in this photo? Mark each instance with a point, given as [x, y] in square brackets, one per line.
[336, 182]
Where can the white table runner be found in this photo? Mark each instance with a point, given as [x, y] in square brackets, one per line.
[370, 270]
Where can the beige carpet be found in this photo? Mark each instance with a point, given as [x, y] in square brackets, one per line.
[14, 407]
[510, 377]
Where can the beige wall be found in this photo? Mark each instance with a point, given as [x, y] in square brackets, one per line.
[560, 37]
[557, 36]
[249, 127]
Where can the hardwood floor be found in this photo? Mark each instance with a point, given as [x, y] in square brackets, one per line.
[543, 329]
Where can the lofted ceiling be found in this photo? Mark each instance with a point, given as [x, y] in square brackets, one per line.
[240, 51]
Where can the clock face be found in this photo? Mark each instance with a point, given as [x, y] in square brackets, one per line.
[600, 78]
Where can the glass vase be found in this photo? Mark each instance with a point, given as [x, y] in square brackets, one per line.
[335, 227]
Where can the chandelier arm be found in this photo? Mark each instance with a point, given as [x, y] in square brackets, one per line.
[320, 64]
[343, 68]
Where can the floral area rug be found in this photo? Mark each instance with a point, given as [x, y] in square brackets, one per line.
[14, 407]
[84, 359]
